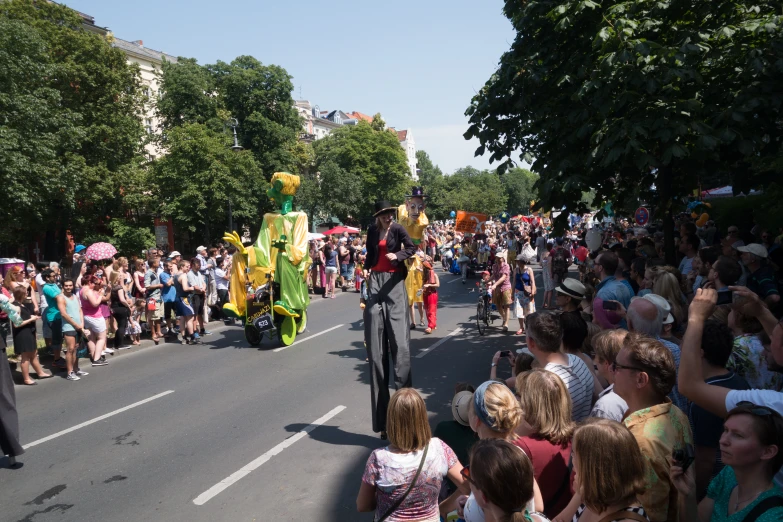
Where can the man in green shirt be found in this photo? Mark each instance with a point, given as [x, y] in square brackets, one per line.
[52, 315]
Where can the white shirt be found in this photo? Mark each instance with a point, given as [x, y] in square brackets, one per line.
[578, 381]
[221, 279]
[39, 284]
[609, 405]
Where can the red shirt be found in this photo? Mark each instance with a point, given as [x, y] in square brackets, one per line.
[550, 467]
[383, 265]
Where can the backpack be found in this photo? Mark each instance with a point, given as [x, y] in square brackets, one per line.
[560, 261]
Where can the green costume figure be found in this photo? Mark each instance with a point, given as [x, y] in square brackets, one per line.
[280, 254]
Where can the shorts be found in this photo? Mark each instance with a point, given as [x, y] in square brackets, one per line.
[169, 310]
[56, 330]
[95, 325]
[523, 306]
[47, 330]
[197, 302]
[183, 307]
[501, 298]
[331, 269]
[71, 333]
[343, 270]
[157, 314]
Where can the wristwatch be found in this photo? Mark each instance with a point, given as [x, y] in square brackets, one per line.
[494, 364]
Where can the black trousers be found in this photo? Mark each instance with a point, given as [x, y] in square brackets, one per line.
[9, 419]
[121, 314]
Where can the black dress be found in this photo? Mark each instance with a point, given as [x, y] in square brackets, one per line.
[24, 336]
[9, 419]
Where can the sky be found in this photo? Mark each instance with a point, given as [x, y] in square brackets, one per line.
[418, 64]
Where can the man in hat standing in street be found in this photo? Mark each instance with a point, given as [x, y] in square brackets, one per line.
[761, 279]
[386, 317]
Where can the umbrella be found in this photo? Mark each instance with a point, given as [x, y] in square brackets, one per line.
[341, 229]
[314, 235]
[99, 251]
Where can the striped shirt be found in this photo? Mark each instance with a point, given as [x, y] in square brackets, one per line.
[578, 381]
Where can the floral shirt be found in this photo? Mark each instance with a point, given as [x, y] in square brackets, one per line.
[391, 474]
[748, 359]
[659, 430]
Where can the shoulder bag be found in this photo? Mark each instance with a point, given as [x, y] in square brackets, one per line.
[762, 507]
[400, 500]
[618, 515]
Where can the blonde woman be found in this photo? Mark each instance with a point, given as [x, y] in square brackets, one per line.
[545, 433]
[610, 474]
[494, 413]
[666, 285]
[411, 467]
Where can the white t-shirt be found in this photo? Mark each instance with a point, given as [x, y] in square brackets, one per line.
[221, 279]
[39, 284]
[770, 399]
[579, 381]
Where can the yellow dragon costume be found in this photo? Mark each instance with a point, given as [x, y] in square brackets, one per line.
[279, 255]
[411, 216]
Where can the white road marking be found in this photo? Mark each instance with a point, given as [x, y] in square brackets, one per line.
[425, 351]
[96, 419]
[307, 338]
[257, 463]
[454, 280]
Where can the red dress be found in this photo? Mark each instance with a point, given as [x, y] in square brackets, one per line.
[430, 299]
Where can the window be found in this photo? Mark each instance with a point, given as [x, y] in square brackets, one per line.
[148, 125]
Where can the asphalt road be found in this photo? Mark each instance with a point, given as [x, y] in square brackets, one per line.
[224, 431]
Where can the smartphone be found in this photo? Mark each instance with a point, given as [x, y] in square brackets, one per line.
[505, 353]
[684, 457]
[725, 298]
[610, 305]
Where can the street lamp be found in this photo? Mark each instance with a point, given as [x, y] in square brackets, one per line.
[233, 123]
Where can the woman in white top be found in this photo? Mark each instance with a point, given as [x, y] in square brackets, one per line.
[391, 470]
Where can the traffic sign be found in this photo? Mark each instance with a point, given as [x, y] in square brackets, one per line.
[642, 216]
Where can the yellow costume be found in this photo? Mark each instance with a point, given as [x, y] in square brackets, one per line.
[415, 225]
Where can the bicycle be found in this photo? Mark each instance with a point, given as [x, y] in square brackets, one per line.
[483, 311]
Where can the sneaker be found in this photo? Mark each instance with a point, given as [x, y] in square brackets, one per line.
[108, 350]
[80, 373]
[184, 340]
[100, 362]
[176, 330]
[206, 332]
[103, 358]
[73, 377]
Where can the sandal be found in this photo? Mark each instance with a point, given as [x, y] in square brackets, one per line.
[428, 331]
[34, 383]
[520, 332]
[45, 376]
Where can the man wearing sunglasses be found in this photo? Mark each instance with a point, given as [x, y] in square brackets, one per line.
[644, 374]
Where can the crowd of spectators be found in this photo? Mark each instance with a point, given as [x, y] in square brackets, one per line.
[650, 391]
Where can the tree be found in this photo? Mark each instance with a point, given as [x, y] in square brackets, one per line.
[372, 156]
[259, 96]
[199, 175]
[518, 184]
[428, 172]
[632, 98]
[467, 189]
[88, 106]
[188, 94]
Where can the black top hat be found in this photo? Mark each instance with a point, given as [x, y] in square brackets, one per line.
[417, 192]
[383, 207]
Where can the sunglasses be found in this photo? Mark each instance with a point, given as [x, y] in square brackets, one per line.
[755, 409]
[616, 367]
[465, 473]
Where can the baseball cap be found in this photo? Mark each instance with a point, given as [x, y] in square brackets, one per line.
[460, 405]
[755, 249]
[174, 254]
[79, 248]
[199, 249]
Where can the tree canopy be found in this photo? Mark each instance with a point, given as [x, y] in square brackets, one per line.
[467, 189]
[70, 130]
[429, 173]
[640, 98]
[364, 162]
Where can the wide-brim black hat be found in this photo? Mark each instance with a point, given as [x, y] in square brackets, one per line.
[417, 192]
[383, 207]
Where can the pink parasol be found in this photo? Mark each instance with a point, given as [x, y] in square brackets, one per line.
[340, 230]
[99, 251]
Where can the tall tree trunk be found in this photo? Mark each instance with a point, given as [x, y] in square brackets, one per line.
[664, 184]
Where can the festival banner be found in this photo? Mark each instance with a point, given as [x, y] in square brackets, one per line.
[470, 222]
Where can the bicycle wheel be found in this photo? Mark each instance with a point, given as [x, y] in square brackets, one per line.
[481, 318]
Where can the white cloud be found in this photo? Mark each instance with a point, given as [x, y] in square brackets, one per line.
[449, 150]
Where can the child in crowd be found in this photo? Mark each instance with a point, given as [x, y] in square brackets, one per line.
[133, 329]
[430, 296]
